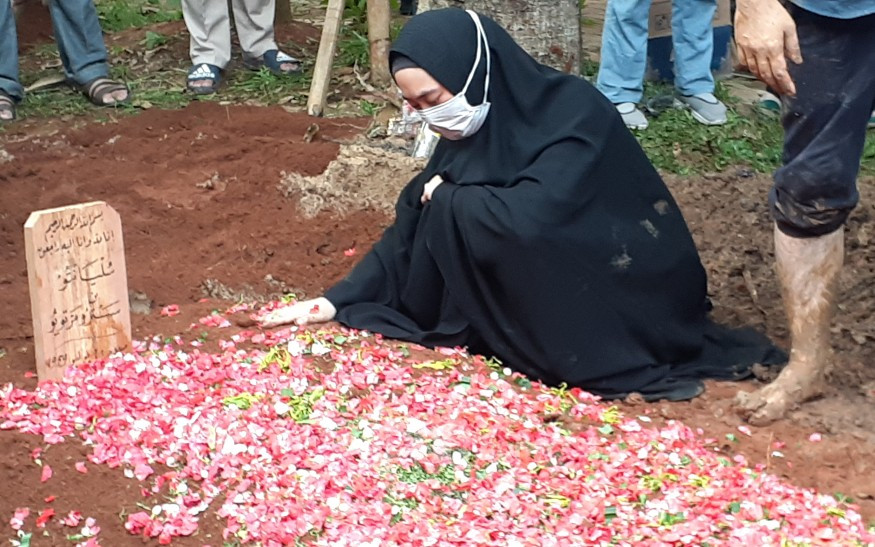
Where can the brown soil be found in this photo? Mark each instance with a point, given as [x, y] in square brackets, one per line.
[197, 189]
[206, 212]
[33, 23]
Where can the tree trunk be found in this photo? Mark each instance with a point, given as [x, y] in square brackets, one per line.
[549, 30]
[378, 36]
[282, 12]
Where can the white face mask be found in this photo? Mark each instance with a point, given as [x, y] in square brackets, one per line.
[456, 118]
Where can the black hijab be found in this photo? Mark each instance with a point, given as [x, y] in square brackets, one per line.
[553, 244]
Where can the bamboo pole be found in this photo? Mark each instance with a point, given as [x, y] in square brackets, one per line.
[324, 58]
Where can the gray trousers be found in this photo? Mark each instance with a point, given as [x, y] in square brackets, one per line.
[209, 25]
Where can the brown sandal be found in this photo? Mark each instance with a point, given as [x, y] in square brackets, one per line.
[99, 88]
[6, 105]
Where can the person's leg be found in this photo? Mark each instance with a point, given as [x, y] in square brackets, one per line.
[624, 50]
[83, 53]
[80, 39]
[9, 82]
[209, 28]
[693, 39]
[813, 194]
[624, 56]
[254, 20]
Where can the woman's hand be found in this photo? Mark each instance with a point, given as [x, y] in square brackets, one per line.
[429, 188]
[317, 310]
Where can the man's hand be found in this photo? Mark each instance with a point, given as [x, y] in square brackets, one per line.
[765, 36]
[317, 310]
[428, 190]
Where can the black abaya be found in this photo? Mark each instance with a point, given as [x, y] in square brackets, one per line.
[553, 243]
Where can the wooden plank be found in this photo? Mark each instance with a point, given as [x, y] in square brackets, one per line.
[325, 58]
[379, 18]
[78, 286]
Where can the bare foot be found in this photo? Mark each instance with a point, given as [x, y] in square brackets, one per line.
[290, 67]
[797, 383]
[116, 97]
[206, 82]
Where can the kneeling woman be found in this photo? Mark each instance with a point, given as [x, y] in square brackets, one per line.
[538, 232]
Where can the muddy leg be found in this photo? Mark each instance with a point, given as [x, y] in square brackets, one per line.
[808, 272]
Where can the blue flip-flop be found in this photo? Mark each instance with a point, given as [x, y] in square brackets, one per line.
[201, 72]
[274, 59]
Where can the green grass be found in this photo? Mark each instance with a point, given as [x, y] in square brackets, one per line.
[352, 48]
[265, 87]
[116, 15]
[676, 143]
[53, 102]
[753, 137]
[868, 163]
[46, 51]
[153, 40]
[158, 93]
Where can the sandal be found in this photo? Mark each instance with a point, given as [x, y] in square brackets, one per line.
[204, 72]
[102, 87]
[274, 60]
[6, 105]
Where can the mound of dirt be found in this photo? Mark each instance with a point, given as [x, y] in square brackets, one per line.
[362, 176]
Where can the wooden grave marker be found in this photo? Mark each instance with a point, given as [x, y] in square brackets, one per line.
[78, 286]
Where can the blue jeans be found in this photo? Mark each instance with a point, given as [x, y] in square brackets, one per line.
[624, 48]
[80, 43]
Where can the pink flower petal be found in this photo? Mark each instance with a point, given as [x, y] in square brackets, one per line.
[72, 519]
[329, 432]
[44, 516]
[170, 310]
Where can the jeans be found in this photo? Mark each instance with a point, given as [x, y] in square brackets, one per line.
[79, 37]
[624, 48]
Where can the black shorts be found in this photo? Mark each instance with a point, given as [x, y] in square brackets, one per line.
[825, 124]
